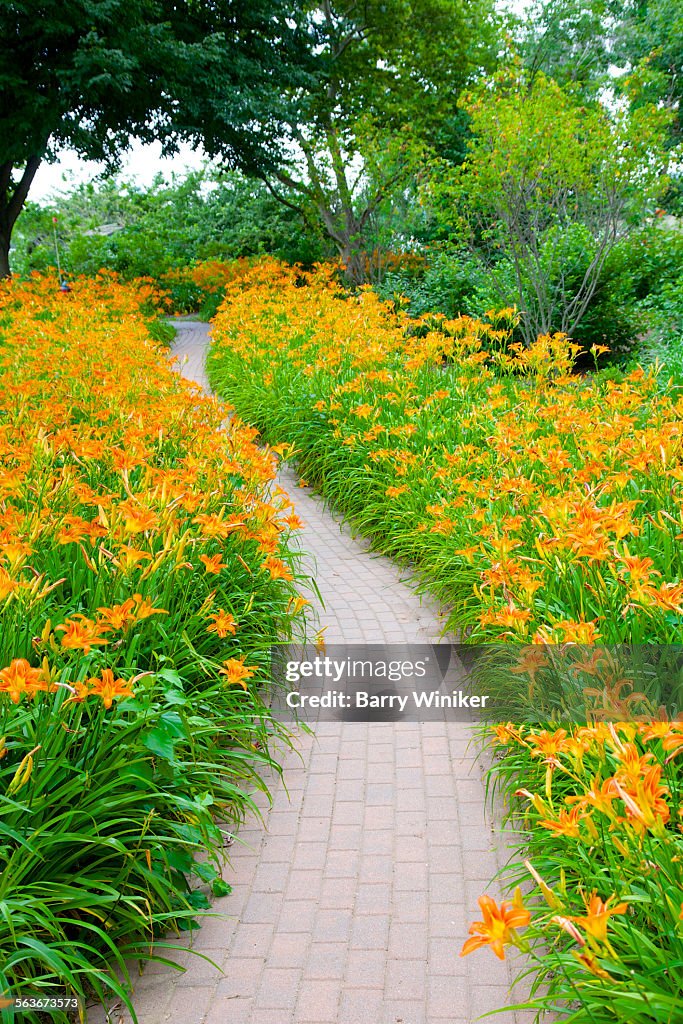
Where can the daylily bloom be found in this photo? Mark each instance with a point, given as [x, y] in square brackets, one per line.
[212, 563]
[236, 672]
[81, 633]
[223, 624]
[566, 824]
[498, 929]
[597, 916]
[108, 688]
[116, 617]
[145, 608]
[21, 678]
[277, 568]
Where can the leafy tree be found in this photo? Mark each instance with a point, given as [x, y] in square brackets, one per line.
[388, 76]
[549, 187]
[569, 41]
[649, 35]
[91, 74]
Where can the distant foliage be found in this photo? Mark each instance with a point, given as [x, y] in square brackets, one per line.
[206, 215]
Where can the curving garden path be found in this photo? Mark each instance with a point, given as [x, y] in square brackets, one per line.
[352, 899]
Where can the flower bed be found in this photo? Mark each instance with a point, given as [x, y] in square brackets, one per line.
[541, 506]
[600, 832]
[546, 510]
[145, 570]
[199, 288]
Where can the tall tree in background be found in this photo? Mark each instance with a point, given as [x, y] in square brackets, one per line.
[591, 45]
[389, 73]
[569, 41]
[92, 74]
[650, 35]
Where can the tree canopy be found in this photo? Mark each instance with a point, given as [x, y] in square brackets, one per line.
[388, 76]
[92, 74]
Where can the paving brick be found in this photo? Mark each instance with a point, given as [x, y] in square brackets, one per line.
[338, 894]
[370, 932]
[277, 850]
[289, 949]
[348, 812]
[259, 1016]
[341, 864]
[373, 898]
[297, 916]
[366, 968]
[449, 920]
[313, 830]
[331, 926]
[326, 959]
[443, 955]
[404, 1011]
[262, 908]
[448, 996]
[308, 856]
[379, 842]
[304, 885]
[241, 977]
[318, 1001]
[272, 877]
[345, 837]
[407, 941]
[410, 877]
[360, 1007]
[376, 869]
[279, 988]
[406, 979]
[189, 1004]
[411, 849]
[411, 907]
[486, 999]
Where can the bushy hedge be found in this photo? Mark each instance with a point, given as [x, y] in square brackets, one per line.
[636, 309]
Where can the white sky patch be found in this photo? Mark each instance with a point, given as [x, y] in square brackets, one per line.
[140, 164]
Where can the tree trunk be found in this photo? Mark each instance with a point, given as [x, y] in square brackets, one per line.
[12, 199]
[355, 263]
[4, 253]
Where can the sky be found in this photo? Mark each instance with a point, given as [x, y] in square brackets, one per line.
[140, 164]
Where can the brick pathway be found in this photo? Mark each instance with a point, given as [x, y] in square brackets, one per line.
[351, 904]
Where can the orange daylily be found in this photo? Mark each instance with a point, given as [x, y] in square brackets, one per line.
[81, 633]
[117, 617]
[109, 689]
[236, 672]
[20, 678]
[498, 929]
[144, 608]
[597, 916]
[566, 823]
[277, 568]
[212, 563]
[223, 624]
